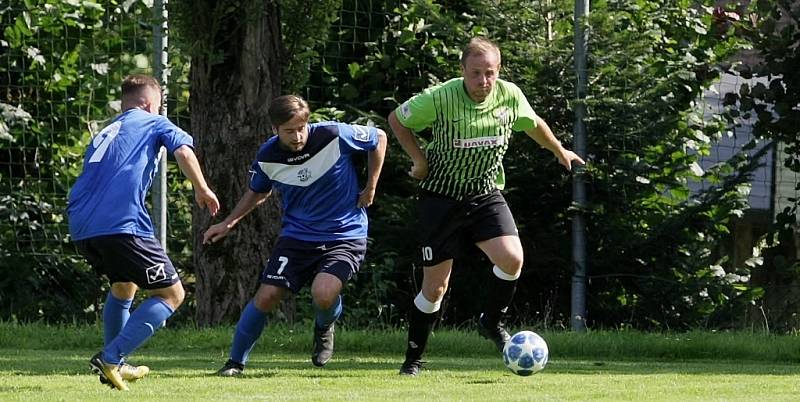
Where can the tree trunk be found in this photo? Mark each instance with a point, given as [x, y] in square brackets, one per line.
[233, 81]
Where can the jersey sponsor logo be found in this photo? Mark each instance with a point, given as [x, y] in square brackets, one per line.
[156, 273]
[298, 158]
[502, 115]
[304, 174]
[479, 142]
[361, 133]
[405, 110]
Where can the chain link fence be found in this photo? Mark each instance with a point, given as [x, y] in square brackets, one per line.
[61, 64]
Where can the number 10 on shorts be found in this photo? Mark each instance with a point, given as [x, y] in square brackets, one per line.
[427, 253]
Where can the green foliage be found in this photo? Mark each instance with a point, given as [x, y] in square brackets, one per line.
[306, 25]
[55, 86]
[304, 28]
[773, 34]
[654, 259]
[47, 285]
[772, 103]
[653, 240]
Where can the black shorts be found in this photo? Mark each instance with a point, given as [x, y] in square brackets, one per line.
[294, 263]
[128, 258]
[449, 228]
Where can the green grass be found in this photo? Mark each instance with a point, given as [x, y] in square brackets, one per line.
[50, 363]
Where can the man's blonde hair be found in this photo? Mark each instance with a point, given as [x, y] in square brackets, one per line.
[479, 45]
[133, 86]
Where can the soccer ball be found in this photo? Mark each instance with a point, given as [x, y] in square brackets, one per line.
[525, 353]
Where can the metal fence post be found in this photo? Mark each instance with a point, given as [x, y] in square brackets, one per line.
[578, 309]
[161, 73]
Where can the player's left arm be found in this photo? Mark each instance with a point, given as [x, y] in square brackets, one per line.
[542, 134]
[375, 159]
[187, 161]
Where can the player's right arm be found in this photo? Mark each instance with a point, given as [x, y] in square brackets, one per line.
[247, 203]
[415, 114]
[187, 161]
[408, 141]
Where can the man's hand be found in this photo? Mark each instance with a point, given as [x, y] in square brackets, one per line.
[216, 232]
[566, 157]
[366, 196]
[419, 170]
[207, 199]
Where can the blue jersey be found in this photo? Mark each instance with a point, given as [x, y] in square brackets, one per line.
[118, 168]
[318, 184]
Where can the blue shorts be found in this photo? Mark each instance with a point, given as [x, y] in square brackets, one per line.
[128, 258]
[294, 263]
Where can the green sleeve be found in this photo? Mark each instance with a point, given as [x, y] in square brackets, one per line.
[526, 117]
[417, 113]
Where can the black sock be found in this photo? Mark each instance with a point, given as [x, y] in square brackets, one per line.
[501, 292]
[420, 326]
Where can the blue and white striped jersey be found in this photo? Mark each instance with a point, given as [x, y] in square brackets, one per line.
[318, 185]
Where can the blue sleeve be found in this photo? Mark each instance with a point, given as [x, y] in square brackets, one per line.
[259, 181]
[171, 136]
[356, 138]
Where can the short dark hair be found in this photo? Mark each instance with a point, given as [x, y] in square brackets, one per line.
[478, 45]
[134, 84]
[287, 107]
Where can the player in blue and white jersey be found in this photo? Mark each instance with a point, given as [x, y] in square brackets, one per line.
[323, 235]
[110, 225]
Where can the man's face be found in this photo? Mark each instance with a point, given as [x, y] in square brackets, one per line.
[293, 134]
[480, 71]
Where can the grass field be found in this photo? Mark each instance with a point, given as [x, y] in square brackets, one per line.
[50, 363]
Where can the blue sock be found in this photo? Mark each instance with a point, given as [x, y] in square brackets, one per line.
[115, 315]
[248, 330]
[324, 318]
[144, 321]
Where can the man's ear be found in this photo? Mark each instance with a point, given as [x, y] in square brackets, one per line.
[147, 106]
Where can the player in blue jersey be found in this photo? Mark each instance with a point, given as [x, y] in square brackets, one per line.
[110, 226]
[323, 235]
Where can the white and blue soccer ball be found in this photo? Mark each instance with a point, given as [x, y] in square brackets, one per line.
[525, 353]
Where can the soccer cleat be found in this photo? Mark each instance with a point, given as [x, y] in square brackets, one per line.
[231, 369]
[323, 345]
[411, 367]
[129, 373]
[132, 373]
[498, 334]
[108, 372]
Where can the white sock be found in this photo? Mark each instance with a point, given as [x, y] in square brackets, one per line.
[504, 276]
[425, 306]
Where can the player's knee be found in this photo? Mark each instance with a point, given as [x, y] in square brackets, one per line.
[325, 298]
[511, 262]
[266, 299]
[176, 295]
[434, 293]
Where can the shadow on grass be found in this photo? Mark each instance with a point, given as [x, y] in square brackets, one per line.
[193, 365]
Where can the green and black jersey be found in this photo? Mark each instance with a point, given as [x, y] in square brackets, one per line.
[465, 155]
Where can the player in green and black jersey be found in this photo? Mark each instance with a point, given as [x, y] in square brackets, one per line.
[460, 170]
